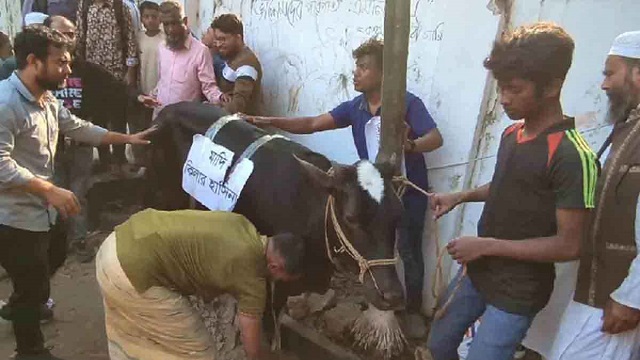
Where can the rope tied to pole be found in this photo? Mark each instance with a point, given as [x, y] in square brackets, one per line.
[438, 276]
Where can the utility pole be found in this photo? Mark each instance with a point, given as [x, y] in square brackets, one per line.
[397, 22]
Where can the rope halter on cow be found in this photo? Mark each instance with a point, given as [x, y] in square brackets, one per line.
[345, 246]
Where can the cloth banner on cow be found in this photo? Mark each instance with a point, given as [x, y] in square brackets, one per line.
[372, 136]
[203, 175]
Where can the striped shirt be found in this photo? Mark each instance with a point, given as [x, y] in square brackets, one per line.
[533, 178]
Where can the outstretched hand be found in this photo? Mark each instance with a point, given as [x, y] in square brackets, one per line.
[149, 101]
[140, 138]
[259, 121]
[443, 203]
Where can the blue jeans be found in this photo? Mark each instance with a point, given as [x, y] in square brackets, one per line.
[498, 335]
[410, 248]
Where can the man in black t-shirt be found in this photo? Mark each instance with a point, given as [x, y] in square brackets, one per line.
[536, 205]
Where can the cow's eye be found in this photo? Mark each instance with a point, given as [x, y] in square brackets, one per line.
[351, 218]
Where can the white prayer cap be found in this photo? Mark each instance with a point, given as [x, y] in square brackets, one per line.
[35, 18]
[627, 45]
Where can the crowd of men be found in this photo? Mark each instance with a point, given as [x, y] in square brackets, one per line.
[117, 65]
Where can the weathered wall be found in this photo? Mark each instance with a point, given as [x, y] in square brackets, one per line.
[10, 17]
[305, 48]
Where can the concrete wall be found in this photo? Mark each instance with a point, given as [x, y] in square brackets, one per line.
[10, 17]
[305, 48]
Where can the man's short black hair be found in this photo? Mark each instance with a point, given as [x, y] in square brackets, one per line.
[372, 47]
[228, 24]
[540, 53]
[47, 22]
[36, 40]
[148, 5]
[291, 248]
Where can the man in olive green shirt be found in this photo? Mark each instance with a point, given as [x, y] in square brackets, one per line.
[153, 261]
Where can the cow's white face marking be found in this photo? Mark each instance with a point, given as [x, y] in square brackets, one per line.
[370, 180]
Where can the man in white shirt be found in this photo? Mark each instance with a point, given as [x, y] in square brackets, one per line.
[603, 320]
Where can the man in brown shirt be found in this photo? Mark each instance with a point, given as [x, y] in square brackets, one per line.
[242, 72]
[603, 321]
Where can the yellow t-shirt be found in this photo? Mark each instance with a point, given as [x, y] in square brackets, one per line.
[205, 253]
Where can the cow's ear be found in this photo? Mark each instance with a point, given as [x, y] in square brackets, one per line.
[316, 174]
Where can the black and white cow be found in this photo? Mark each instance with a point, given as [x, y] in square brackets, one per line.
[288, 193]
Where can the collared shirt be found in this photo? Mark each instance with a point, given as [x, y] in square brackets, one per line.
[8, 67]
[186, 74]
[28, 139]
[355, 113]
[103, 43]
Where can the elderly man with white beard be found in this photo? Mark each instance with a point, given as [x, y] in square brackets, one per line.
[602, 322]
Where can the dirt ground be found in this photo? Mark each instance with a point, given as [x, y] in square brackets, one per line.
[77, 330]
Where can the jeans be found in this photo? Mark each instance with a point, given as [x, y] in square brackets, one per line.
[73, 172]
[410, 248]
[27, 257]
[498, 335]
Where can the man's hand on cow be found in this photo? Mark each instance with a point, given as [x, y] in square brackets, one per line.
[467, 248]
[140, 138]
[619, 318]
[259, 121]
[63, 200]
[443, 203]
[148, 101]
[225, 98]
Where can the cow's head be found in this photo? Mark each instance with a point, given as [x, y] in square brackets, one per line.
[368, 212]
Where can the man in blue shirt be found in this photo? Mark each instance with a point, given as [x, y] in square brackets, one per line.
[423, 136]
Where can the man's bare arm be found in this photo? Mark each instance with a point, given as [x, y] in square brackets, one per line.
[564, 246]
[250, 330]
[296, 125]
[429, 142]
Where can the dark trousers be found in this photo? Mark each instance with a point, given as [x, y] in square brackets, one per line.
[410, 248]
[114, 120]
[139, 119]
[30, 258]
